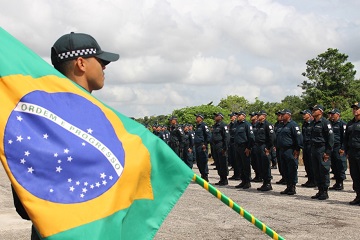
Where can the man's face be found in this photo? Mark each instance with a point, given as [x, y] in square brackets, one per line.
[233, 118]
[240, 117]
[94, 73]
[173, 121]
[316, 112]
[261, 117]
[198, 119]
[334, 117]
[286, 117]
[254, 118]
[306, 116]
[279, 117]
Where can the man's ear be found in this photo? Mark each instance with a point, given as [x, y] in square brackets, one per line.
[81, 63]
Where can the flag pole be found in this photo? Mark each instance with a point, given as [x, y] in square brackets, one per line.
[236, 208]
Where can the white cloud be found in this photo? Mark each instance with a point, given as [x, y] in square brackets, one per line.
[184, 53]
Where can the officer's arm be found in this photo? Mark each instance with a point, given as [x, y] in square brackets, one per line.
[329, 138]
[297, 137]
[250, 136]
[270, 136]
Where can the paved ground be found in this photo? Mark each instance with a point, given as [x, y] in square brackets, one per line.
[199, 215]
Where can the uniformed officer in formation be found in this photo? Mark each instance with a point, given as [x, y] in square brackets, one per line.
[201, 142]
[338, 156]
[289, 141]
[306, 132]
[176, 136]
[188, 147]
[264, 140]
[244, 141]
[352, 148]
[255, 161]
[322, 142]
[277, 128]
[220, 141]
[231, 152]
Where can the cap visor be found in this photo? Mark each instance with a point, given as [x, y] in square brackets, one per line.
[109, 57]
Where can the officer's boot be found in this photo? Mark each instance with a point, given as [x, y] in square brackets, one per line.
[316, 196]
[339, 185]
[324, 194]
[292, 190]
[205, 177]
[287, 189]
[356, 201]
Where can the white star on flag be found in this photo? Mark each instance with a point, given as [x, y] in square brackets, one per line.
[10, 141]
[58, 169]
[102, 175]
[69, 180]
[19, 138]
[72, 189]
[30, 170]
[89, 130]
[22, 161]
[29, 138]
[27, 153]
[19, 118]
[55, 154]
[69, 159]
[66, 150]
[45, 136]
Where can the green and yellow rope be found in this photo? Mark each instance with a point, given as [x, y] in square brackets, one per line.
[237, 208]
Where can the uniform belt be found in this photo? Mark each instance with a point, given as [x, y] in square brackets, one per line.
[318, 144]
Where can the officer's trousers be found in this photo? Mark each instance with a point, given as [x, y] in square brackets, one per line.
[221, 162]
[265, 163]
[308, 162]
[338, 164]
[244, 161]
[321, 168]
[354, 166]
[255, 162]
[202, 160]
[290, 165]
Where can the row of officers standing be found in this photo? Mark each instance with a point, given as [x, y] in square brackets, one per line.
[325, 143]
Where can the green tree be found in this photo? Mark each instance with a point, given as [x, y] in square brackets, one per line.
[234, 103]
[330, 80]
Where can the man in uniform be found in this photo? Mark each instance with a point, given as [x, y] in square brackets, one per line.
[188, 147]
[255, 162]
[322, 142]
[289, 142]
[176, 136]
[277, 128]
[306, 132]
[338, 157]
[244, 141]
[264, 140]
[352, 148]
[86, 70]
[220, 139]
[231, 157]
[201, 141]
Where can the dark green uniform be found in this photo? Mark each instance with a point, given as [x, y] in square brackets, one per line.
[244, 139]
[220, 140]
[322, 141]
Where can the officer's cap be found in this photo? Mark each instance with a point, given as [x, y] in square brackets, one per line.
[285, 111]
[172, 117]
[306, 111]
[218, 114]
[241, 113]
[233, 114]
[278, 112]
[199, 115]
[253, 114]
[262, 112]
[355, 105]
[317, 107]
[334, 110]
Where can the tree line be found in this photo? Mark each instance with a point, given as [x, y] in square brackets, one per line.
[330, 81]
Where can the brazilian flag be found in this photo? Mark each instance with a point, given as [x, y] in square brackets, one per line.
[81, 169]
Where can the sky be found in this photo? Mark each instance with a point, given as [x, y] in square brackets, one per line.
[182, 53]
